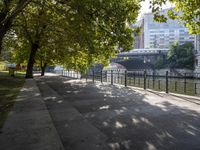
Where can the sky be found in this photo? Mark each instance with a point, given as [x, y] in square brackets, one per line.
[145, 7]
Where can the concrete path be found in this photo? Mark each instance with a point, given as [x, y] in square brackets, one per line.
[29, 125]
[97, 116]
[66, 114]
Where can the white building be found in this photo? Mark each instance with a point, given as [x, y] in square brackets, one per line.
[161, 35]
[197, 54]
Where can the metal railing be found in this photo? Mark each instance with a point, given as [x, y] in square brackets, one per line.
[188, 84]
[70, 73]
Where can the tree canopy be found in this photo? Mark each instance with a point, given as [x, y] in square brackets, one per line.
[181, 56]
[9, 9]
[74, 33]
[186, 11]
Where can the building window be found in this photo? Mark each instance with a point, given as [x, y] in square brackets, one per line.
[182, 30]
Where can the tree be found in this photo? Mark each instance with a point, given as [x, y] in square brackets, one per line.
[160, 63]
[187, 11]
[181, 56]
[80, 32]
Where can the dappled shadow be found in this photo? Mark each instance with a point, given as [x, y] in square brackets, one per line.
[132, 119]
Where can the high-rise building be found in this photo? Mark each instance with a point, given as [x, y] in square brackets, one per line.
[197, 54]
[161, 35]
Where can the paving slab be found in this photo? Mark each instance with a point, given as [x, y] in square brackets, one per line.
[29, 125]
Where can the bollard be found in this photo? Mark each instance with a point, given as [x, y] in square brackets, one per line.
[167, 86]
[145, 79]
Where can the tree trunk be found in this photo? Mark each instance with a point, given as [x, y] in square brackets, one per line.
[43, 69]
[3, 30]
[31, 61]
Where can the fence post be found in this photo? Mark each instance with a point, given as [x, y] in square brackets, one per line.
[167, 86]
[118, 77]
[101, 76]
[139, 81]
[106, 76]
[111, 77]
[185, 82]
[86, 76]
[175, 85]
[125, 78]
[195, 88]
[153, 79]
[92, 75]
[145, 79]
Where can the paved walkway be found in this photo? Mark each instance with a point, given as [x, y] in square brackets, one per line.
[95, 116]
[29, 125]
[74, 115]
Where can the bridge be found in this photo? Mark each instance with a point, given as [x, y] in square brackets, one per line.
[150, 55]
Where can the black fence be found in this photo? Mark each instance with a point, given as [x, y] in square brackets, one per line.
[188, 84]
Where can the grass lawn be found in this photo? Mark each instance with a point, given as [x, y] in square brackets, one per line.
[9, 89]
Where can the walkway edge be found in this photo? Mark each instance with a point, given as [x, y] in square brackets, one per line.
[29, 125]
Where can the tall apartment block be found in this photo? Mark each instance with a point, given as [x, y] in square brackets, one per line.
[161, 35]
